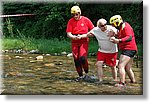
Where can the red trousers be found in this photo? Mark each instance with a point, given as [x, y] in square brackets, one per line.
[80, 51]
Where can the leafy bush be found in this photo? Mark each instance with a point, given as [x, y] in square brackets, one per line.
[50, 19]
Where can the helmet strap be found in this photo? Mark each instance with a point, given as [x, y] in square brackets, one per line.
[117, 27]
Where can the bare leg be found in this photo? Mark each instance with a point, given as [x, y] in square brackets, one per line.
[114, 73]
[99, 70]
[117, 62]
[129, 70]
[122, 63]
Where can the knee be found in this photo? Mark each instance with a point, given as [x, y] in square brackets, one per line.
[77, 63]
[121, 65]
[83, 59]
[99, 64]
[117, 63]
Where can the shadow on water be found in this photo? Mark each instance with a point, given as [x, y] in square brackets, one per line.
[55, 75]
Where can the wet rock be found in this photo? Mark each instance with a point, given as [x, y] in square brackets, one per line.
[5, 51]
[10, 74]
[55, 54]
[32, 61]
[48, 54]
[39, 57]
[68, 80]
[19, 51]
[69, 55]
[64, 53]
[58, 54]
[58, 63]
[12, 51]
[18, 57]
[50, 65]
[30, 57]
[34, 52]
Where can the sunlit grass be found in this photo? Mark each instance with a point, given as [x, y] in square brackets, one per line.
[43, 45]
[50, 45]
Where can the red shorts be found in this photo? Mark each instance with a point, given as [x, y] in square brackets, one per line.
[108, 58]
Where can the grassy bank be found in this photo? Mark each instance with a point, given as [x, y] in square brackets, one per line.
[43, 45]
[50, 46]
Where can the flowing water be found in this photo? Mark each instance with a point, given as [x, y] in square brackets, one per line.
[55, 75]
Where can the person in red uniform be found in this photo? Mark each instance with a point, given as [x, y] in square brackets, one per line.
[79, 25]
[128, 47]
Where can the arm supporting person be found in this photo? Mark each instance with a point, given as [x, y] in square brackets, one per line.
[74, 37]
[115, 40]
[127, 38]
[89, 34]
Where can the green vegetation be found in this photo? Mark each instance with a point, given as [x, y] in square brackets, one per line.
[50, 46]
[50, 19]
[45, 30]
[44, 45]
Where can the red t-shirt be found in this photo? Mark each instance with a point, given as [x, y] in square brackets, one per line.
[81, 26]
[126, 34]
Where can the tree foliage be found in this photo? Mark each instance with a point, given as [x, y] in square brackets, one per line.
[50, 19]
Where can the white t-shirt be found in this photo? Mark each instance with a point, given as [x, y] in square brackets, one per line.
[103, 40]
